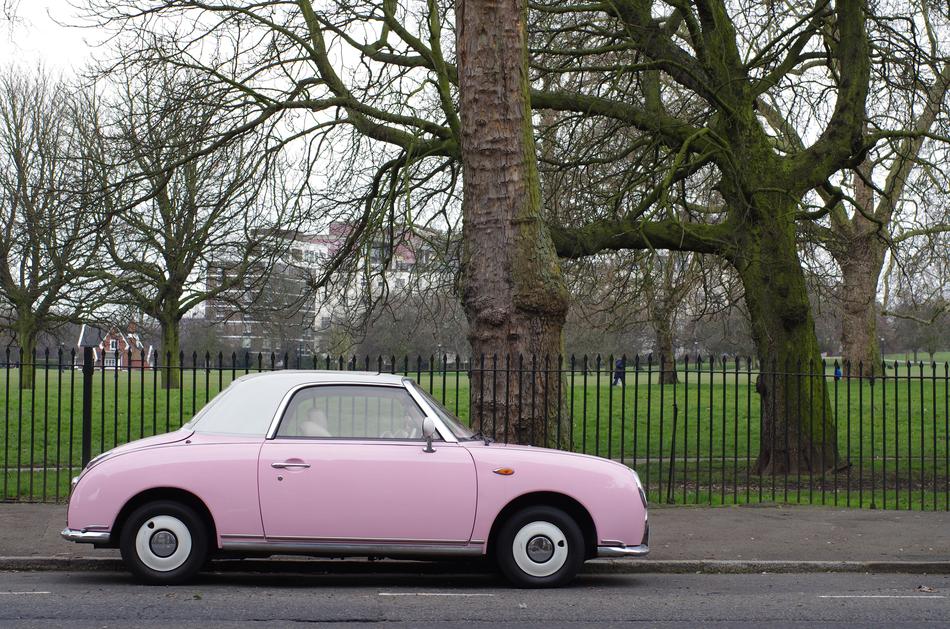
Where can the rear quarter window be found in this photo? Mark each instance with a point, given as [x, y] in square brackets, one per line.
[244, 408]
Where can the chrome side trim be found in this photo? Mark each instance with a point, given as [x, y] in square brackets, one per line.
[623, 551]
[324, 549]
[368, 540]
[86, 537]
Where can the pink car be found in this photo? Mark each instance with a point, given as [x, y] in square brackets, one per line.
[332, 464]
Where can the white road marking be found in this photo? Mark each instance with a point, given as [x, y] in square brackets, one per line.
[881, 596]
[463, 594]
[25, 592]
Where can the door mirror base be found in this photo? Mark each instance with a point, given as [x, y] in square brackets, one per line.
[428, 430]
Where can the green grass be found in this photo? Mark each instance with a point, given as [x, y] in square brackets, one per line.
[43, 428]
[869, 486]
[902, 425]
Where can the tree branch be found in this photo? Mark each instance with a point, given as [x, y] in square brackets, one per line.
[616, 235]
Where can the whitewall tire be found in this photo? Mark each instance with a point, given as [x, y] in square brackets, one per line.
[164, 542]
[540, 547]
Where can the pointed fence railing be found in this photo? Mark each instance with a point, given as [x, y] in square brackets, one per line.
[691, 427]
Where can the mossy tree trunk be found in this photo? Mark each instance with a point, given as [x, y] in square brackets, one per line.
[169, 359]
[798, 428]
[514, 296]
[759, 240]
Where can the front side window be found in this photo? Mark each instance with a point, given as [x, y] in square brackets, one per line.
[460, 430]
[352, 412]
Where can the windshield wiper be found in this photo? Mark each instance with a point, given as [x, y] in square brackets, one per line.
[480, 435]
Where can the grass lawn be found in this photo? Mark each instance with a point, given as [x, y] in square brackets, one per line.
[899, 423]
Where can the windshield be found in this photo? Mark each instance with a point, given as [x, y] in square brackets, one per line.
[460, 430]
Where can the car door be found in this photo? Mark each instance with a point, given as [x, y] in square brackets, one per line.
[348, 464]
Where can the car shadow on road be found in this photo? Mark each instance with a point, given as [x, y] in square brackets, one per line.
[409, 578]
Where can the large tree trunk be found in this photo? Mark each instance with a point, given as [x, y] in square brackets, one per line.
[798, 432]
[514, 296]
[861, 265]
[169, 359]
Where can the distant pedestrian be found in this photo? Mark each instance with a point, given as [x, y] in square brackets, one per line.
[837, 372]
[619, 369]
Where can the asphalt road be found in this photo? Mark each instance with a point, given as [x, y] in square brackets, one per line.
[107, 599]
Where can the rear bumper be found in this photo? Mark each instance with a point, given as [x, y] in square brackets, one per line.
[623, 551]
[86, 537]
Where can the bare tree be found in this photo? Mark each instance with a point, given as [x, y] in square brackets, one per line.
[180, 204]
[427, 325]
[49, 237]
[689, 77]
[893, 195]
[9, 10]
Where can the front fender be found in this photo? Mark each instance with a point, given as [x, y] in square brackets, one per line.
[607, 490]
[221, 471]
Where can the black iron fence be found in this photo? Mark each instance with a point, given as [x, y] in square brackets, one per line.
[692, 429]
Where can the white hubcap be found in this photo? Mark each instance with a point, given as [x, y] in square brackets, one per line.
[540, 549]
[163, 543]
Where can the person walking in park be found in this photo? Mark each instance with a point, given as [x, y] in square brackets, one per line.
[619, 368]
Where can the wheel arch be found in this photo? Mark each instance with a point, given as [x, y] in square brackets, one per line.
[175, 494]
[565, 503]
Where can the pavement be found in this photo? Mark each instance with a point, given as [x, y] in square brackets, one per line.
[738, 539]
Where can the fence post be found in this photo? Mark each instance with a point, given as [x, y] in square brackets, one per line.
[87, 372]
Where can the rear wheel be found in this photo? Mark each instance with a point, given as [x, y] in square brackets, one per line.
[164, 542]
[540, 547]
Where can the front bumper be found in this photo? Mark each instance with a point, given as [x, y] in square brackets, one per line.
[86, 537]
[619, 552]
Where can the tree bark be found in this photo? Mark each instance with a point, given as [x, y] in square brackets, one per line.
[26, 339]
[169, 359]
[513, 292]
[861, 265]
[663, 328]
[798, 431]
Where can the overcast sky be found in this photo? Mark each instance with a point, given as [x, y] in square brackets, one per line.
[37, 38]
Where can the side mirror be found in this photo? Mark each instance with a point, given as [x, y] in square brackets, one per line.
[428, 430]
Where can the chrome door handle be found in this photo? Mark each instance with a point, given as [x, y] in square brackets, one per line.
[286, 466]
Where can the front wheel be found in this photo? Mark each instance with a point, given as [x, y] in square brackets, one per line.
[164, 543]
[540, 547]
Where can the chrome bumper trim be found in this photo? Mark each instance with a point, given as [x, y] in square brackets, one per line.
[623, 551]
[86, 537]
[331, 549]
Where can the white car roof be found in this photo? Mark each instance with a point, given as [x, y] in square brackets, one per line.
[249, 403]
[294, 377]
